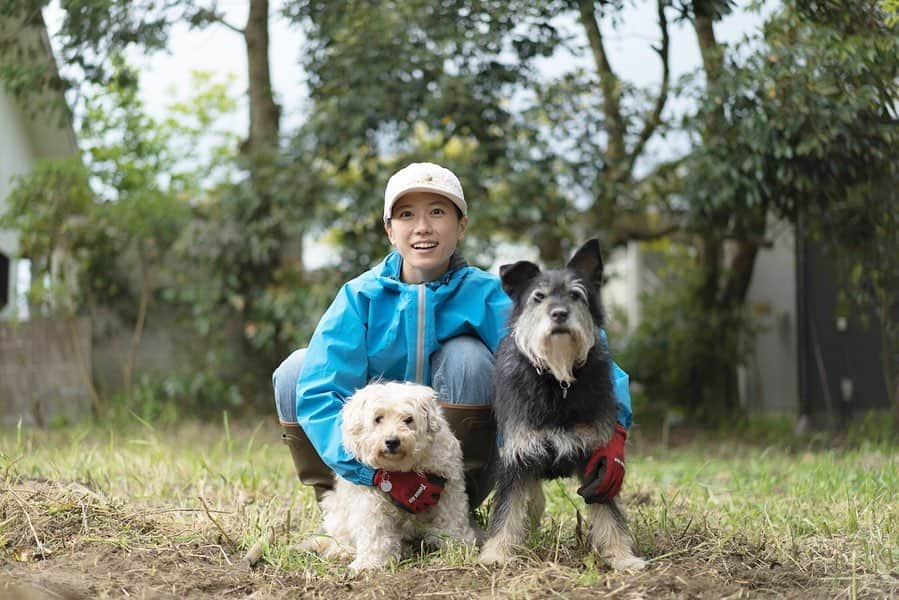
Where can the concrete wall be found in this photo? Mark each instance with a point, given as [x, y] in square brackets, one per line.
[625, 281]
[769, 383]
[44, 370]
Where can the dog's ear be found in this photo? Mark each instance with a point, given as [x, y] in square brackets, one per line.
[517, 276]
[587, 260]
[431, 410]
[353, 422]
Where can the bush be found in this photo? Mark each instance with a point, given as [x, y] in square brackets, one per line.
[167, 400]
[875, 427]
[684, 357]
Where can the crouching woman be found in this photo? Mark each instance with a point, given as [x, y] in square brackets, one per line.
[421, 315]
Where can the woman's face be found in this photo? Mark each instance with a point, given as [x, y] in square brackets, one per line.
[425, 228]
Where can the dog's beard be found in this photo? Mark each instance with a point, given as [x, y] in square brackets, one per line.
[556, 353]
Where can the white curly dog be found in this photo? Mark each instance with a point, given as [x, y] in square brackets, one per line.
[361, 521]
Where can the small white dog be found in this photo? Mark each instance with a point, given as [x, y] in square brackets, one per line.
[362, 521]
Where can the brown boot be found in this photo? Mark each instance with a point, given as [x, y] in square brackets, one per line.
[475, 427]
[310, 468]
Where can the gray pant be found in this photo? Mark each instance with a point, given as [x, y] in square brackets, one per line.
[461, 374]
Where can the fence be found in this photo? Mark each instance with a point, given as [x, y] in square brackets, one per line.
[45, 368]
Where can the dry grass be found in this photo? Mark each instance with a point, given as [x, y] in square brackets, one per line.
[101, 512]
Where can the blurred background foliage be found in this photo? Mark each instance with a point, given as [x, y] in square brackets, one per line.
[798, 120]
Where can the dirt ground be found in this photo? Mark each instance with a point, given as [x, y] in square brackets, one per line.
[94, 550]
[197, 572]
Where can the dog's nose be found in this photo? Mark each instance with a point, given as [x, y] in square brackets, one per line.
[392, 443]
[558, 315]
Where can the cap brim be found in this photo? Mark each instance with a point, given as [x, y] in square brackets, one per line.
[459, 202]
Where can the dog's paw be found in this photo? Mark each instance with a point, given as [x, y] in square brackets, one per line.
[325, 546]
[444, 539]
[627, 562]
[480, 534]
[466, 534]
[470, 537]
[495, 554]
[365, 563]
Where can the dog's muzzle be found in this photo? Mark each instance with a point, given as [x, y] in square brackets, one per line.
[559, 315]
[392, 445]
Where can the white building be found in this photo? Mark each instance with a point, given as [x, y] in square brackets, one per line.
[810, 360]
[769, 381]
[27, 135]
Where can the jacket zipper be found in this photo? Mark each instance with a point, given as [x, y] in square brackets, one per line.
[420, 338]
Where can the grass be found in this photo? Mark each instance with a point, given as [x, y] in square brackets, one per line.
[712, 516]
[844, 501]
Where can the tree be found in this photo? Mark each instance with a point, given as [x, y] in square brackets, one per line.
[793, 127]
[392, 81]
[93, 32]
[112, 217]
[465, 73]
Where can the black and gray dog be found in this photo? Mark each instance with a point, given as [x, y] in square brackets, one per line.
[553, 401]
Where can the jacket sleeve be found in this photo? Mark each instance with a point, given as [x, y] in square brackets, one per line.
[493, 326]
[336, 365]
[621, 388]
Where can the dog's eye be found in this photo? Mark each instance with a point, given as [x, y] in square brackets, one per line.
[576, 295]
[378, 419]
[538, 297]
[408, 420]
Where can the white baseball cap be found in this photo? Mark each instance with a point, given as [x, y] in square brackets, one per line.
[423, 177]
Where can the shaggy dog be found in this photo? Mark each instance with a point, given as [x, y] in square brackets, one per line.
[554, 403]
[395, 427]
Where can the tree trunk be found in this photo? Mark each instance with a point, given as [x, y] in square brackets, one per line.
[713, 387]
[143, 302]
[615, 153]
[709, 49]
[609, 84]
[265, 119]
[84, 368]
[264, 111]
[712, 61]
[739, 275]
[710, 263]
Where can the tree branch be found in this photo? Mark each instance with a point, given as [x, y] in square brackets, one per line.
[609, 85]
[637, 228]
[211, 15]
[234, 28]
[654, 118]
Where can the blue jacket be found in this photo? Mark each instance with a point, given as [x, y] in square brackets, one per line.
[380, 327]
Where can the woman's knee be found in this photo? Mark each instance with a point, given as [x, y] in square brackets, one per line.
[284, 382]
[462, 371]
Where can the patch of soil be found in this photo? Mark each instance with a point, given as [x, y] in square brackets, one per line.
[96, 549]
[190, 573]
